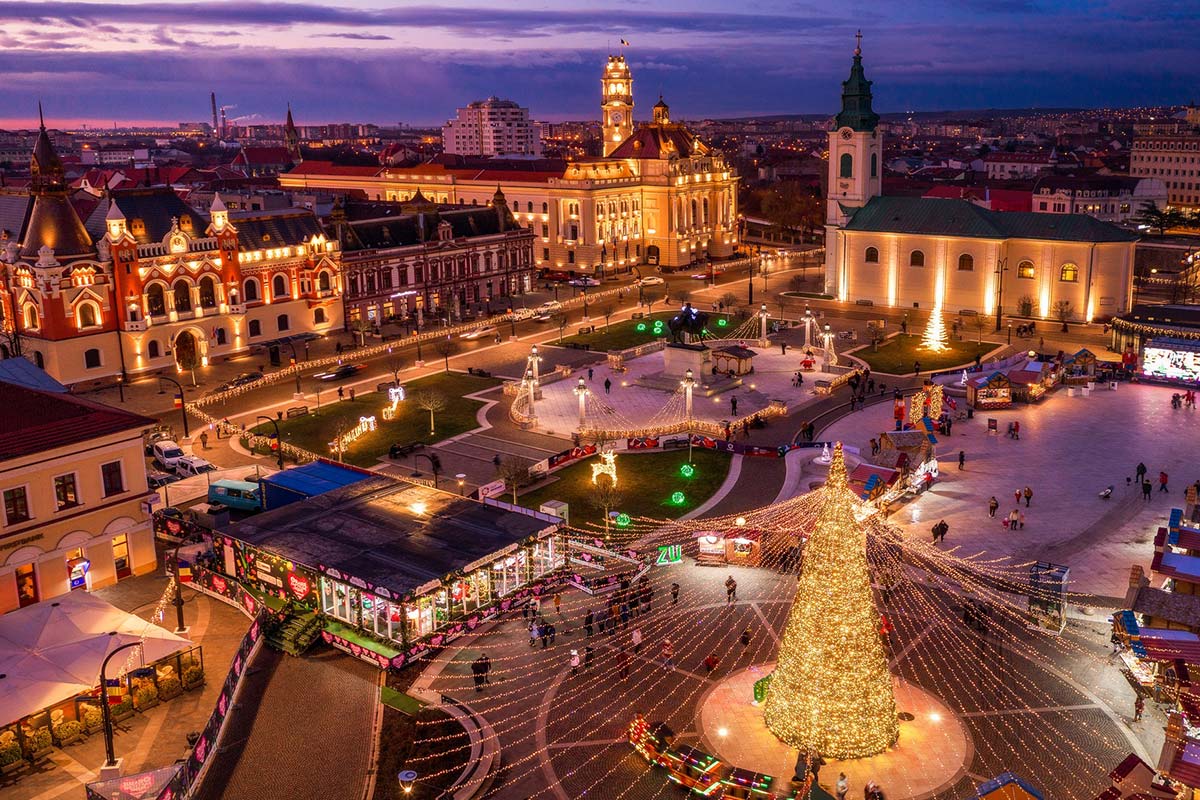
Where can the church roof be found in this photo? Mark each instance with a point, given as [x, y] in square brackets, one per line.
[54, 223]
[941, 217]
[857, 113]
[660, 141]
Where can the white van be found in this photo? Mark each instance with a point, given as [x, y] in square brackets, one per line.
[167, 453]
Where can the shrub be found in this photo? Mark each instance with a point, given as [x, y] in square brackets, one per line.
[40, 740]
[170, 686]
[66, 730]
[10, 754]
[123, 707]
[1025, 306]
[192, 675]
[92, 716]
[145, 695]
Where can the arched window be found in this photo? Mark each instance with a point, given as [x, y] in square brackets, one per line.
[872, 255]
[916, 258]
[91, 358]
[152, 349]
[874, 165]
[1026, 270]
[182, 295]
[31, 317]
[847, 166]
[1069, 273]
[208, 292]
[251, 290]
[282, 322]
[220, 335]
[278, 287]
[39, 360]
[529, 207]
[255, 328]
[545, 208]
[323, 281]
[156, 299]
[318, 316]
[87, 315]
[966, 263]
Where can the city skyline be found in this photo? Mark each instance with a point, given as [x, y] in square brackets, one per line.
[106, 61]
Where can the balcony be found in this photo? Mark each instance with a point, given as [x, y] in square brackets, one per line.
[135, 325]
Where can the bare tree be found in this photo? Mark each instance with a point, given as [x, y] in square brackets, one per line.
[431, 401]
[681, 296]
[608, 310]
[360, 328]
[394, 365]
[560, 320]
[650, 297]
[979, 323]
[729, 301]
[446, 348]
[1062, 310]
[515, 472]
[604, 497]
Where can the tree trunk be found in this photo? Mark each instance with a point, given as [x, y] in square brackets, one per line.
[431, 429]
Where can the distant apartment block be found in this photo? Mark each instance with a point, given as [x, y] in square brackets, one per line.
[492, 127]
[1175, 160]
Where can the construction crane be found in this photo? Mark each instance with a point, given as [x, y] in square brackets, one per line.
[224, 118]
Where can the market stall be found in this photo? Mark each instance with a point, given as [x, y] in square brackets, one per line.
[733, 359]
[1031, 380]
[989, 391]
[739, 546]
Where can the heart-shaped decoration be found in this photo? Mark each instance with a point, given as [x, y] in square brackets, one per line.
[219, 584]
[356, 650]
[299, 585]
[437, 640]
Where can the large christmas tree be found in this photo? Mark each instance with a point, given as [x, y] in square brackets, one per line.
[831, 692]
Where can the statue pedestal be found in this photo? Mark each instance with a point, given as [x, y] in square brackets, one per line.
[679, 358]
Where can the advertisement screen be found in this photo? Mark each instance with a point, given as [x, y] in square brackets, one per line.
[1165, 363]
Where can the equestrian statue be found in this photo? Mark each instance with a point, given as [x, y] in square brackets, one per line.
[690, 321]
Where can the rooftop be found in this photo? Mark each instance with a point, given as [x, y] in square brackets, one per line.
[39, 421]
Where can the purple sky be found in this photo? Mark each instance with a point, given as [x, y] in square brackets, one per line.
[414, 62]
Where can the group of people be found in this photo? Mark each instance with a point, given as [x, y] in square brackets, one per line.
[1015, 519]
[1185, 400]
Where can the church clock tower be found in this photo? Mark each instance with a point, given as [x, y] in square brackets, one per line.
[616, 103]
[855, 147]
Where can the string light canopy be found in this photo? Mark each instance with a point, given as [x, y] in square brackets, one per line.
[831, 692]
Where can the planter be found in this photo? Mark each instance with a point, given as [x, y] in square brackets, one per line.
[145, 697]
[193, 676]
[92, 719]
[66, 733]
[39, 744]
[11, 760]
[169, 688]
[15, 766]
[120, 712]
[40, 755]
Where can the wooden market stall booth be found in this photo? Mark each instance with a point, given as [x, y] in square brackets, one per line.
[989, 391]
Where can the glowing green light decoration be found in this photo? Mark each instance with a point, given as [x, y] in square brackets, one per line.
[641, 326]
[623, 520]
[687, 470]
[722, 322]
[761, 686]
[678, 499]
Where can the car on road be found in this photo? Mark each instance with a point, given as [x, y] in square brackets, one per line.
[188, 466]
[651, 280]
[523, 313]
[584, 281]
[549, 307]
[340, 373]
[479, 333]
[240, 380]
[167, 453]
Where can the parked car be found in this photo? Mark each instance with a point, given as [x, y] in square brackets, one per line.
[157, 480]
[479, 333]
[167, 453]
[154, 436]
[651, 280]
[188, 466]
[584, 281]
[340, 373]
[242, 495]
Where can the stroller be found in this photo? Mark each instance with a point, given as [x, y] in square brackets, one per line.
[1107, 493]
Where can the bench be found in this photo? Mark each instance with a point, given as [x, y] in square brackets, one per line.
[864, 302]
[401, 450]
[586, 329]
[674, 444]
[383, 387]
[637, 315]
[482, 373]
[297, 411]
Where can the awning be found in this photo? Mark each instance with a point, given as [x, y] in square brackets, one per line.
[52, 651]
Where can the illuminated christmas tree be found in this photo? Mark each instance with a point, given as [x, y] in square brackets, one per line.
[935, 332]
[831, 692]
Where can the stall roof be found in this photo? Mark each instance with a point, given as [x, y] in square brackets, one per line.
[316, 478]
[371, 529]
[1007, 780]
[735, 351]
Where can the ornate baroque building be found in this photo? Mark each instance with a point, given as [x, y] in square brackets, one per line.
[148, 284]
[914, 252]
[659, 196]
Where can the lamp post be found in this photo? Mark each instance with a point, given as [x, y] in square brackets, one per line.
[121, 386]
[278, 438]
[182, 401]
[1010, 332]
[581, 391]
[295, 362]
[762, 336]
[585, 306]
[1001, 268]
[110, 759]
[534, 360]
[180, 628]
[462, 481]
[407, 778]
[688, 383]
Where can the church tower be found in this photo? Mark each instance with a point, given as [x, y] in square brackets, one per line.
[291, 138]
[855, 147]
[616, 103]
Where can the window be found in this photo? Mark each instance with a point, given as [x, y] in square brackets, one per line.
[966, 263]
[156, 299]
[87, 315]
[120, 546]
[278, 286]
[916, 258]
[874, 165]
[318, 316]
[545, 254]
[111, 479]
[545, 208]
[282, 322]
[323, 281]
[31, 317]
[847, 166]
[27, 588]
[872, 255]
[1026, 270]
[182, 295]
[1069, 273]
[570, 256]
[255, 328]
[91, 358]
[153, 349]
[251, 290]
[208, 292]
[16, 505]
[66, 495]
[220, 332]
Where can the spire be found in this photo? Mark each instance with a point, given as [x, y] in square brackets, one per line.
[291, 138]
[46, 168]
[856, 112]
[41, 117]
[662, 112]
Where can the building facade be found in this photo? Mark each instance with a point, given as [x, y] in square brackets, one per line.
[953, 254]
[148, 283]
[73, 481]
[661, 197]
[1175, 160]
[429, 258]
[492, 127]
[1112, 198]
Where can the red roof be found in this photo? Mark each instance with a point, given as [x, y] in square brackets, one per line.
[1185, 767]
[262, 155]
[660, 141]
[1126, 767]
[996, 199]
[329, 168]
[34, 421]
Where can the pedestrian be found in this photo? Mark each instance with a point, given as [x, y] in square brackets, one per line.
[204, 440]
[647, 598]
[607, 386]
[1016, 430]
[534, 633]
[636, 640]
[710, 663]
[574, 661]
[1028, 492]
[1013, 517]
[1141, 471]
[745, 638]
[872, 791]
[874, 446]
[962, 458]
[588, 621]
[1146, 489]
[624, 616]
[536, 606]
[783, 348]
[730, 589]
[1162, 481]
[674, 594]
[544, 633]
[733, 405]
[590, 372]
[588, 652]
[558, 603]
[842, 787]
[1139, 705]
[916, 367]
[668, 654]
[486, 664]
[1017, 496]
[623, 662]
[993, 504]
[552, 631]
[341, 393]
[1021, 519]
[477, 675]
[351, 394]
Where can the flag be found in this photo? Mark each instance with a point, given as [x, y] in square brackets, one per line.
[624, 43]
[179, 400]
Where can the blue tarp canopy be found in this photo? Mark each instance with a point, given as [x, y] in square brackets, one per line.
[310, 480]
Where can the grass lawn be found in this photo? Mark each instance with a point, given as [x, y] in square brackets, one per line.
[314, 432]
[896, 355]
[646, 482]
[625, 334]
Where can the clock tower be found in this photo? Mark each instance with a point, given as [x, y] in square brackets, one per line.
[616, 103]
[855, 147]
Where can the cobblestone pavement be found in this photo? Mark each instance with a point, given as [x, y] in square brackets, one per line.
[302, 728]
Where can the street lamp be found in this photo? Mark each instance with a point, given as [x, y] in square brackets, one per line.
[688, 384]
[278, 438]
[462, 481]
[1001, 268]
[121, 386]
[180, 628]
[407, 778]
[295, 362]
[1010, 332]
[182, 401]
[110, 759]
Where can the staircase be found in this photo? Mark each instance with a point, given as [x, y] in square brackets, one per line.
[296, 633]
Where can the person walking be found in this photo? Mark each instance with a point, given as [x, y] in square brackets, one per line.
[623, 662]
[534, 632]
[993, 504]
[962, 459]
[588, 622]
[674, 594]
[558, 603]
[733, 405]
[1162, 481]
[477, 675]
[574, 661]
[1017, 496]
[730, 589]
[745, 638]
[551, 632]
[590, 372]
[544, 633]
[485, 664]
[1021, 519]
[341, 393]
[710, 663]
[842, 787]
[624, 616]
[636, 640]
[940, 530]
[916, 367]
[1146, 489]
[588, 653]
[1013, 516]
[204, 440]
[607, 386]
[1141, 471]
[1028, 492]
[668, 654]
[1139, 705]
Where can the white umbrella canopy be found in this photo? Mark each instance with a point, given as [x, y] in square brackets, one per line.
[53, 650]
